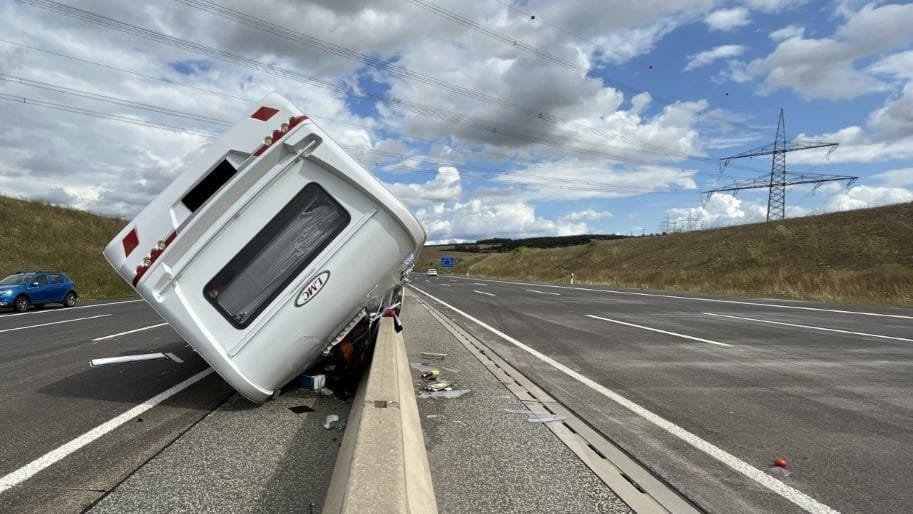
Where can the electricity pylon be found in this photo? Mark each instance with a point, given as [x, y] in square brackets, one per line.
[779, 178]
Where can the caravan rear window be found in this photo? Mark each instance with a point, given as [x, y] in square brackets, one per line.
[276, 255]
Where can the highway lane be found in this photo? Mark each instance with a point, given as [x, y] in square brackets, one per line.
[837, 404]
[49, 396]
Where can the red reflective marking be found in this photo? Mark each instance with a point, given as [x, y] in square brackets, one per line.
[131, 241]
[264, 113]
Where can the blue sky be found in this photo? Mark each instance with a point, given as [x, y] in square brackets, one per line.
[604, 117]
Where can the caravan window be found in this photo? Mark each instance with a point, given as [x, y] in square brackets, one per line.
[276, 255]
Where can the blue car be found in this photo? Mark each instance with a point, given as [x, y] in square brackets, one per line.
[23, 289]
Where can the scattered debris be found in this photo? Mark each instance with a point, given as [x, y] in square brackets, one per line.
[331, 419]
[431, 374]
[310, 382]
[433, 355]
[135, 358]
[326, 391]
[450, 395]
[779, 469]
[441, 385]
[432, 416]
[298, 409]
[537, 417]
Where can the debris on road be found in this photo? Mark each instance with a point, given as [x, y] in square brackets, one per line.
[433, 355]
[431, 374]
[330, 421]
[135, 358]
[310, 382]
[421, 367]
[299, 409]
[441, 385]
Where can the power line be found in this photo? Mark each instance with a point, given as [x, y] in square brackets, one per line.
[403, 72]
[546, 180]
[560, 142]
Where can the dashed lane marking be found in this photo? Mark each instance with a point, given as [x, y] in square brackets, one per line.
[651, 329]
[795, 496]
[112, 336]
[810, 327]
[52, 323]
[52, 457]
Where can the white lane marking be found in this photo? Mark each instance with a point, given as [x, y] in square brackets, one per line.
[794, 495]
[53, 323]
[482, 292]
[134, 358]
[48, 459]
[715, 300]
[445, 285]
[67, 309]
[676, 334]
[112, 336]
[811, 327]
[543, 292]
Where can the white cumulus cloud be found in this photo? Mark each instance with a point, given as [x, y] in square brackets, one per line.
[709, 56]
[727, 19]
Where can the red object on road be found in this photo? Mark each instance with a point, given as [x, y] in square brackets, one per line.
[781, 462]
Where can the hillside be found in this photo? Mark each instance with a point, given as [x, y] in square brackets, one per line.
[35, 235]
[856, 256]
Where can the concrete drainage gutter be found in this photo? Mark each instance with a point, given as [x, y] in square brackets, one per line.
[382, 464]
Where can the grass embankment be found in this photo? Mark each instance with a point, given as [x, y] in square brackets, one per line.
[856, 256]
[35, 235]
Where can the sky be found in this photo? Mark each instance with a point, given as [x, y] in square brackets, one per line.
[491, 118]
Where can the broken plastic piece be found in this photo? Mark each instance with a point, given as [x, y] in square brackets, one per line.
[310, 382]
[437, 386]
[331, 419]
[433, 355]
[431, 374]
[450, 395]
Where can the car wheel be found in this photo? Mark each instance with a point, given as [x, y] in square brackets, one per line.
[70, 299]
[21, 304]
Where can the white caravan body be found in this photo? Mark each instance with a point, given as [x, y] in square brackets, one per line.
[263, 253]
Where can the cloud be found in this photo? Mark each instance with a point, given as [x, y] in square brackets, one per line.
[787, 32]
[708, 56]
[860, 197]
[445, 186]
[483, 218]
[772, 5]
[727, 19]
[586, 215]
[896, 178]
[719, 210]
[826, 68]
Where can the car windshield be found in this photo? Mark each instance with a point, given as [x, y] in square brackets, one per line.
[18, 278]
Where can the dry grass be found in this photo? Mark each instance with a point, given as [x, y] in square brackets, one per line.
[858, 256]
[34, 235]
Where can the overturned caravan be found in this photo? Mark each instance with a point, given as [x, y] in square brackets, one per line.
[269, 249]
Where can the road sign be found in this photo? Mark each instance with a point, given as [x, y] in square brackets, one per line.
[447, 262]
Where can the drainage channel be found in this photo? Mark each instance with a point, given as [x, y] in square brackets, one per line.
[640, 489]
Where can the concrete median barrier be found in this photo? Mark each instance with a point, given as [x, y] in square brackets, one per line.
[382, 464]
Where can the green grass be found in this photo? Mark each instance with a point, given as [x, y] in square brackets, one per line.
[35, 235]
[857, 256]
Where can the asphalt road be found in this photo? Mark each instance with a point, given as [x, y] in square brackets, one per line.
[708, 391]
[57, 454]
